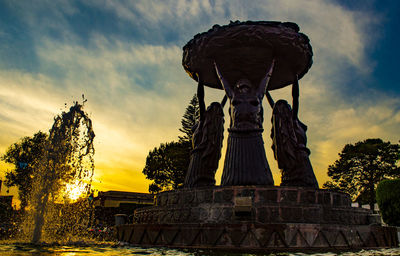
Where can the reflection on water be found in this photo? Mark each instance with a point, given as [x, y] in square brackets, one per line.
[114, 249]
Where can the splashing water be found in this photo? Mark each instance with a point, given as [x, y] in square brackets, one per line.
[64, 171]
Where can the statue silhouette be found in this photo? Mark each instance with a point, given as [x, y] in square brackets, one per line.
[245, 159]
[207, 143]
[289, 141]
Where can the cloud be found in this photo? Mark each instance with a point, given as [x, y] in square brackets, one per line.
[129, 119]
[342, 37]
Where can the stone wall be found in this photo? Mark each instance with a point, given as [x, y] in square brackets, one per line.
[253, 203]
[256, 218]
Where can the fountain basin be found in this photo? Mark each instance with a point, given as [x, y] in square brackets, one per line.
[258, 218]
[246, 49]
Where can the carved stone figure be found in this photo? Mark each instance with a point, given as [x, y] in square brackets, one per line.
[207, 143]
[243, 52]
[288, 134]
[245, 160]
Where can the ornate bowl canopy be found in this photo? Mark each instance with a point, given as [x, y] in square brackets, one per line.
[246, 50]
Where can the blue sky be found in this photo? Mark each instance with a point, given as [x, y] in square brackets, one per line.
[125, 57]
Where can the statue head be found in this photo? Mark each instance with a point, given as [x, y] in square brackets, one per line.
[245, 106]
[215, 108]
[284, 111]
[245, 101]
[243, 86]
[282, 107]
[214, 112]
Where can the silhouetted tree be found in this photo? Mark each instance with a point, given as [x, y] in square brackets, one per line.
[189, 119]
[166, 166]
[362, 166]
[24, 156]
[387, 197]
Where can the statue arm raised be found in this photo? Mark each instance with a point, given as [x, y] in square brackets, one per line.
[200, 97]
[223, 101]
[224, 83]
[295, 95]
[262, 87]
[270, 100]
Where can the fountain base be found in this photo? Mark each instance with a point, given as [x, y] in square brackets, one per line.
[257, 218]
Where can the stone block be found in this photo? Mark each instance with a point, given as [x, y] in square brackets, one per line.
[237, 236]
[224, 196]
[344, 216]
[346, 201]
[262, 215]
[326, 198]
[320, 197]
[363, 217]
[189, 197]
[194, 215]
[156, 216]
[308, 197]
[288, 196]
[312, 215]
[163, 199]
[203, 214]
[336, 200]
[212, 235]
[327, 214]
[168, 217]
[268, 215]
[335, 216]
[176, 216]
[227, 214]
[215, 214]
[204, 196]
[188, 235]
[157, 200]
[291, 214]
[246, 192]
[268, 196]
[185, 215]
[173, 198]
[243, 204]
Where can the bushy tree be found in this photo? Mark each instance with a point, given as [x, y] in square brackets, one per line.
[166, 166]
[24, 156]
[362, 166]
[387, 197]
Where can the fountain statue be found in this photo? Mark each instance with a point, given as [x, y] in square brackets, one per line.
[207, 142]
[247, 212]
[288, 134]
[245, 134]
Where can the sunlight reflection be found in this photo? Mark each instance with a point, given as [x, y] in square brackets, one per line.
[75, 190]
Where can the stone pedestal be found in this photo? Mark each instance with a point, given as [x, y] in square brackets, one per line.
[245, 160]
[255, 218]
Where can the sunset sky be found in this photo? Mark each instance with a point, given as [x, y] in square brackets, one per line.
[125, 57]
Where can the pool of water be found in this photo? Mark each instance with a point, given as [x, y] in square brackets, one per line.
[117, 249]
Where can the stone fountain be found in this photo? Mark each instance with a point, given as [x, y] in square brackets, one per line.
[247, 212]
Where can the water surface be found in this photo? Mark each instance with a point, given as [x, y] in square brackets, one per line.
[115, 249]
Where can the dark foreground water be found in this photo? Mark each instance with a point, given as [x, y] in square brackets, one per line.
[115, 249]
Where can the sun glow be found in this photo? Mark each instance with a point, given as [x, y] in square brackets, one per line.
[75, 190]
